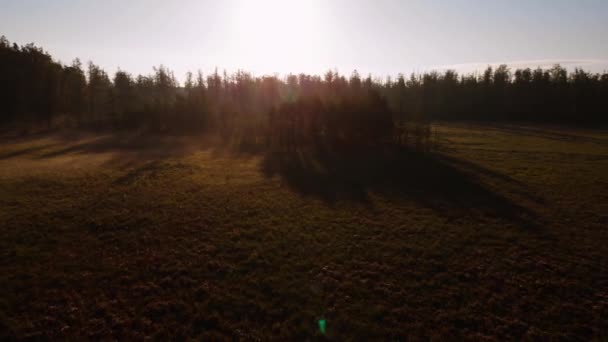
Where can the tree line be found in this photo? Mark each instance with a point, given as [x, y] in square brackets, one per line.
[287, 111]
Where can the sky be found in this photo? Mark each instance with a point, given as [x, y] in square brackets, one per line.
[381, 37]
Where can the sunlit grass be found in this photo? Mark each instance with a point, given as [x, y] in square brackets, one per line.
[185, 240]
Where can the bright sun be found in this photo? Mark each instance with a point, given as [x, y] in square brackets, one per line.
[279, 35]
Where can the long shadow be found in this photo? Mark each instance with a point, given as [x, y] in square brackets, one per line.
[432, 180]
[25, 151]
[556, 134]
[128, 150]
[471, 168]
[154, 169]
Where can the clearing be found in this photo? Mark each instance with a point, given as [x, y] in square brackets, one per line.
[500, 234]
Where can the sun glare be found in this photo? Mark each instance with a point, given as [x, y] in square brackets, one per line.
[275, 35]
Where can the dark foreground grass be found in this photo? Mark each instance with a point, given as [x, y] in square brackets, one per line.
[501, 234]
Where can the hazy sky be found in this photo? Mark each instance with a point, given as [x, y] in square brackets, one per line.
[265, 36]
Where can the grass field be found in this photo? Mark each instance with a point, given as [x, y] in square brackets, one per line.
[499, 234]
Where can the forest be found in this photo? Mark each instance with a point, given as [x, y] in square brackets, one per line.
[38, 91]
[232, 206]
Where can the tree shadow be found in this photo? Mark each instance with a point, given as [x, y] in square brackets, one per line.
[126, 150]
[25, 151]
[515, 185]
[155, 170]
[555, 133]
[436, 181]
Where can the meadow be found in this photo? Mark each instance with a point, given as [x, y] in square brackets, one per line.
[499, 233]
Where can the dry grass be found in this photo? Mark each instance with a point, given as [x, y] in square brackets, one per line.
[499, 235]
